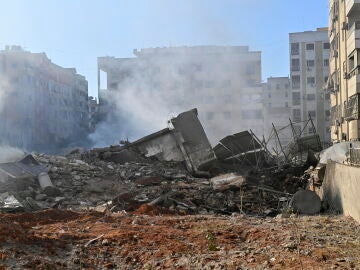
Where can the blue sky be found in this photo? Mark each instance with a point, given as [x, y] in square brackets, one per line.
[73, 33]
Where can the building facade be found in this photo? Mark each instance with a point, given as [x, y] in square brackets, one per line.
[224, 83]
[344, 83]
[277, 107]
[43, 106]
[309, 72]
[93, 113]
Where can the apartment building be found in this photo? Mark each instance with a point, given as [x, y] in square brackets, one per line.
[43, 106]
[309, 72]
[277, 106]
[224, 83]
[344, 83]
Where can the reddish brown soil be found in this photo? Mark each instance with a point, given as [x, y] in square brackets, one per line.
[55, 239]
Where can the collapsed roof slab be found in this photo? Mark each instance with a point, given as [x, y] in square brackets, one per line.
[185, 141]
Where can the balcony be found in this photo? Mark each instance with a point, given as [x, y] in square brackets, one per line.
[353, 41]
[352, 6]
[354, 81]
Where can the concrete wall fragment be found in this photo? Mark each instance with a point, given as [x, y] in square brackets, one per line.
[341, 189]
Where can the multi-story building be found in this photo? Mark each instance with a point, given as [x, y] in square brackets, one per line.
[93, 113]
[277, 103]
[344, 83]
[43, 106]
[309, 72]
[224, 83]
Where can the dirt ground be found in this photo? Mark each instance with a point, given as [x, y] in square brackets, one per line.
[153, 238]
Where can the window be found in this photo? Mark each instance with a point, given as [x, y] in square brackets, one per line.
[250, 69]
[310, 46]
[311, 80]
[296, 115]
[286, 86]
[326, 78]
[312, 114]
[251, 114]
[326, 62]
[227, 115]
[351, 62]
[113, 85]
[296, 98]
[326, 46]
[226, 83]
[269, 95]
[310, 96]
[295, 64]
[286, 104]
[278, 86]
[210, 115]
[295, 81]
[227, 98]
[310, 63]
[295, 48]
[209, 84]
[327, 96]
[286, 94]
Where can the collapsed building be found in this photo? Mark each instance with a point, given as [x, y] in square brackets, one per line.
[224, 82]
[175, 167]
[43, 106]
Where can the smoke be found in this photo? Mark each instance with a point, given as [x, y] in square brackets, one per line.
[160, 83]
[10, 154]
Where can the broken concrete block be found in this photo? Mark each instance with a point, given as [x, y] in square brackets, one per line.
[226, 181]
[306, 202]
[51, 191]
[44, 180]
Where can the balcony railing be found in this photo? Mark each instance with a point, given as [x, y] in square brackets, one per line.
[335, 114]
[355, 71]
[351, 108]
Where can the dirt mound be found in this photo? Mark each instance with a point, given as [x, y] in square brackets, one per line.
[47, 216]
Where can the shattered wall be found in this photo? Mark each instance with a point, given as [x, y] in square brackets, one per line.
[143, 92]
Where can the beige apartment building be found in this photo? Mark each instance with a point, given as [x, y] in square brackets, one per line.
[344, 83]
[309, 71]
[223, 82]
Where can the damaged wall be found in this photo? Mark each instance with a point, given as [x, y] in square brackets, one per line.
[341, 189]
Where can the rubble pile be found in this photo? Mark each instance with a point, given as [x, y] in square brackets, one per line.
[103, 185]
[175, 168]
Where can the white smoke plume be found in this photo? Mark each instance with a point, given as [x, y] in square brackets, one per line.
[154, 89]
[10, 154]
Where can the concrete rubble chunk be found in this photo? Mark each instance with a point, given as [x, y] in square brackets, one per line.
[306, 202]
[185, 141]
[227, 181]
